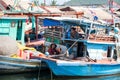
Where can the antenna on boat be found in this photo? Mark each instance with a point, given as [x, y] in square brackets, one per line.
[90, 30]
[110, 2]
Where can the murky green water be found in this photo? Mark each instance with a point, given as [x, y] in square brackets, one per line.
[47, 76]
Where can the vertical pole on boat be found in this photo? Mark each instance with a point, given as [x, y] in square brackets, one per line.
[112, 53]
[51, 74]
[86, 32]
[90, 30]
[85, 49]
[116, 45]
[110, 2]
[36, 22]
[39, 70]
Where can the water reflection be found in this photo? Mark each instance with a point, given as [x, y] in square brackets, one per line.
[26, 76]
[110, 77]
[47, 76]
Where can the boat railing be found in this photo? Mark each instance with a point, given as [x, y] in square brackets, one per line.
[102, 38]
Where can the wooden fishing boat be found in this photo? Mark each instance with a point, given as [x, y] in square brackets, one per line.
[17, 65]
[67, 67]
[21, 61]
[95, 53]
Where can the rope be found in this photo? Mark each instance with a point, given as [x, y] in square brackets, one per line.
[39, 69]
[65, 53]
[51, 75]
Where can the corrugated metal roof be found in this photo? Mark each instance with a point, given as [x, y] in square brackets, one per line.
[37, 9]
[72, 8]
[102, 14]
[51, 9]
[17, 7]
[24, 4]
[3, 5]
[9, 2]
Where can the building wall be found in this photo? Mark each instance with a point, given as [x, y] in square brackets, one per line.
[10, 27]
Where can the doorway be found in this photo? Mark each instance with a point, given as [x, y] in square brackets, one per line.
[19, 30]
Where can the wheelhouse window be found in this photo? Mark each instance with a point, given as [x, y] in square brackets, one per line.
[74, 32]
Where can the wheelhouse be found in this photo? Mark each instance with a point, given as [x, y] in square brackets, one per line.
[95, 40]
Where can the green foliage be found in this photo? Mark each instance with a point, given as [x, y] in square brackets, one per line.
[36, 2]
[53, 3]
[89, 2]
[43, 4]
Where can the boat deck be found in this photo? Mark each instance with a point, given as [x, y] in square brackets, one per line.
[84, 60]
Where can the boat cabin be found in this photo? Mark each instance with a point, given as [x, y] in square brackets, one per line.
[95, 39]
[13, 27]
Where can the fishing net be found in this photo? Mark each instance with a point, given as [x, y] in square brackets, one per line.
[8, 46]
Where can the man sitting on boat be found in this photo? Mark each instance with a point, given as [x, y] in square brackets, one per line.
[74, 33]
[53, 49]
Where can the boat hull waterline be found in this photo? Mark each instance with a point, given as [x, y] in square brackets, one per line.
[71, 68]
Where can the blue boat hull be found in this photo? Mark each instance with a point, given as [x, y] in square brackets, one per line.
[81, 69]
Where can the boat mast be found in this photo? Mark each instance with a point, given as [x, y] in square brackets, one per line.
[110, 2]
[44, 2]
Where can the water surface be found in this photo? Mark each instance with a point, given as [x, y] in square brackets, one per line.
[46, 75]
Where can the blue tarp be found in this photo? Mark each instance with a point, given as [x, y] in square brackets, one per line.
[68, 21]
[51, 22]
